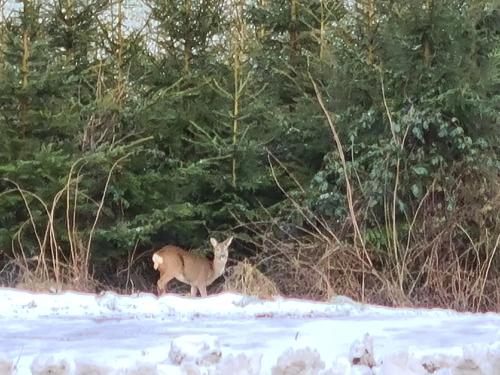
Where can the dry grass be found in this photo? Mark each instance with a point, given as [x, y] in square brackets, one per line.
[129, 275]
[308, 267]
[246, 279]
[438, 268]
[437, 258]
[53, 262]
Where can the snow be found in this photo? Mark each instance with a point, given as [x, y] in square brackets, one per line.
[75, 333]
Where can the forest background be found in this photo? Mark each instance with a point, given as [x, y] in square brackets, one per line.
[351, 147]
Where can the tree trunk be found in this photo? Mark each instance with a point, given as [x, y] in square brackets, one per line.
[188, 48]
[25, 70]
[294, 31]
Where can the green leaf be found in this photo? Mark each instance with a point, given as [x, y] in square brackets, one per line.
[416, 190]
[420, 171]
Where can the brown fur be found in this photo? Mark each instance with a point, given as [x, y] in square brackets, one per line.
[197, 271]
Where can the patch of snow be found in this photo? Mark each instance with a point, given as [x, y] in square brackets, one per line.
[240, 364]
[203, 350]
[44, 365]
[361, 352]
[84, 334]
[6, 366]
[340, 366]
[70, 304]
[299, 362]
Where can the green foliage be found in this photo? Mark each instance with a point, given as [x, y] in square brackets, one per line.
[413, 88]
[441, 106]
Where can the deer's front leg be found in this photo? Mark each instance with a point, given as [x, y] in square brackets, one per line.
[194, 291]
[203, 290]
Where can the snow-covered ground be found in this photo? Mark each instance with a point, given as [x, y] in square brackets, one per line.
[74, 333]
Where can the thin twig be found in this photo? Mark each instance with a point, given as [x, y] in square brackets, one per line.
[101, 204]
[357, 232]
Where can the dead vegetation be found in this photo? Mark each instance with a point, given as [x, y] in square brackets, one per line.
[246, 279]
[438, 264]
[438, 258]
[47, 263]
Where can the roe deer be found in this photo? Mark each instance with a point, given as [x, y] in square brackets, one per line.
[174, 262]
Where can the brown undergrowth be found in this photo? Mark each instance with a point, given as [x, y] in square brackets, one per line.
[50, 250]
[437, 258]
[245, 278]
[441, 259]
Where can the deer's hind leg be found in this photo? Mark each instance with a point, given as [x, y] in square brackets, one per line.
[203, 290]
[162, 283]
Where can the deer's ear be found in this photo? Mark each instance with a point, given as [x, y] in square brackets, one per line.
[228, 241]
[214, 242]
